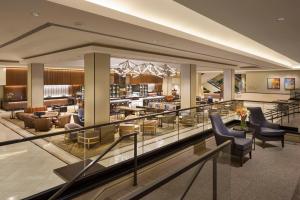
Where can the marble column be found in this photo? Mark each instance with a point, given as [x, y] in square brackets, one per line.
[188, 86]
[97, 88]
[199, 87]
[228, 88]
[35, 85]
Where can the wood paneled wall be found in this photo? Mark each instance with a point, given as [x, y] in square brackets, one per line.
[145, 78]
[63, 77]
[16, 76]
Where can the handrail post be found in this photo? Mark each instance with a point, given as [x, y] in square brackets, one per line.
[178, 127]
[135, 161]
[215, 188]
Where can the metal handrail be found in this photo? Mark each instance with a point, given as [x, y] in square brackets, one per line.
[79, 174]
[165, 179]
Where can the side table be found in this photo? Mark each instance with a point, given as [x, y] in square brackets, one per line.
[246, 130]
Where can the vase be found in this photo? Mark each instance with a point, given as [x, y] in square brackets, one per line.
[243, 122]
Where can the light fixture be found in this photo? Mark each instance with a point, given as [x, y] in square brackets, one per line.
[134, 70]
[35, 13]
[78, 23]
[280, 19]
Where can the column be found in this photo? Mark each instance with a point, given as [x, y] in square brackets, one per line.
[199, 87]
[188, 86]
[228, 88]
[97, 88]
[35, 85]
[167, 86]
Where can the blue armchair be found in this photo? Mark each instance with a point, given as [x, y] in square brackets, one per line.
[263, 129]
[240, 145]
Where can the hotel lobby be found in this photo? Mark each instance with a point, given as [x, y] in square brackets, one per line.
[128, 100]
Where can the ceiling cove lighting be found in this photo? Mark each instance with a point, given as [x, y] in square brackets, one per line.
[194, 24]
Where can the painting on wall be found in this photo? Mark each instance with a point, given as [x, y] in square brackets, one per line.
[273, 83]
[289, 83]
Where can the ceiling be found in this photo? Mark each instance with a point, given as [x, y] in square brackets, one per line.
[258, 20]
[62, 35]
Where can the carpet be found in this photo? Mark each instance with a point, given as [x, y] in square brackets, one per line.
[79, 151]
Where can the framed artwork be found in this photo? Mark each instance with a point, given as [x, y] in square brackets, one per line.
[273, 83]
[289, 83]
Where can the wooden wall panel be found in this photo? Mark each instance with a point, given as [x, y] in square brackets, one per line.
[16, 76]
[77, 77]
[145, 78]
[63, 77]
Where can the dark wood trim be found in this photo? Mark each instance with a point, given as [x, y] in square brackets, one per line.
[10, 61]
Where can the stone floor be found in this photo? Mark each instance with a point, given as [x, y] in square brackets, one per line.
[26, 168]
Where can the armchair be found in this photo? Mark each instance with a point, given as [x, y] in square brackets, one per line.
[73, 135]
[240, 145]
[149, 126]
[62, 120]
[42, 124]
[77, 120]
[169, 119]
[263, 129]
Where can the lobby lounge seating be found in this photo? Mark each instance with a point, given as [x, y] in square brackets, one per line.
[42, 124]
[125, 129]
[240, 145]
[188, 120]
[28, 120]
[264, 130]
[77, 120]
[73, 135]
[169, 119]
[149, 127]
[61, 120]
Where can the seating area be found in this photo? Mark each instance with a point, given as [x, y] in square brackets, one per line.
[42, 119]
[259, 127]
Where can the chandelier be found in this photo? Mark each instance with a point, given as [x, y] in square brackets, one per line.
[129, 67]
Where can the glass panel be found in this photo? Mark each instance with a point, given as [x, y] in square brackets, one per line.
[203, 185]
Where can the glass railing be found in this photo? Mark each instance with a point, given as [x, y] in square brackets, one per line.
[36, 163]
[209, 177]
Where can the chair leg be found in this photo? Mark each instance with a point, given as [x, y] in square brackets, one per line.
[241, 161]
[282, 142]
[264, 144]
[250, 154]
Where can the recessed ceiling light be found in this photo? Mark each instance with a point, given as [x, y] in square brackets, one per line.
[35, 14]
[280, 19]
[78, 23]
